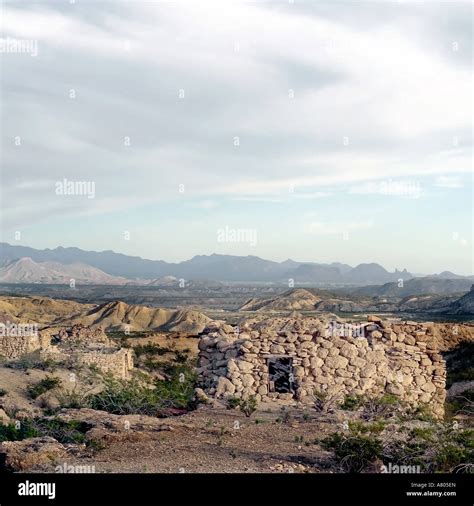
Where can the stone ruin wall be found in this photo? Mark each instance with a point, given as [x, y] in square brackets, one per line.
[389, 358]
[79, 345]
[119, 363]
[14, 347]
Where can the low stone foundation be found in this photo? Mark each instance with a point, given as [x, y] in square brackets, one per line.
[321, 355]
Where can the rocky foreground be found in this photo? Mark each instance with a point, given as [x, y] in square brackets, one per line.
[216, 440]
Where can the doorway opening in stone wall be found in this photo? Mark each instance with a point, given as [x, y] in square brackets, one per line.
[280, 370]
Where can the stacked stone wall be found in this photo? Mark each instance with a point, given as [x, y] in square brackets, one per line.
[368, 359]
[14, 347]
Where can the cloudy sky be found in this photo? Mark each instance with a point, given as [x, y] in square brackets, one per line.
[318, 131]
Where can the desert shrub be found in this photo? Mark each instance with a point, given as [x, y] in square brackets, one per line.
[424, 433]
[462, 404]
[381, 407]
[11, 432]
[249, 405]
[3, 392]
[351, 402]
[326, 402]
[353, 452]
[151, 365]
[64, 432]
[436, 448]
[43, 386]
[73, 399]
[358, 427]
[32, 361]
[178, 389]
[126, 397]
[433, 447]
[423, 413]
[181, 357]
[233, 402]
[150, 349]
[154, 399]
[456, 451]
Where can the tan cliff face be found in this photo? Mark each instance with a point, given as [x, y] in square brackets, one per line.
[320, 355]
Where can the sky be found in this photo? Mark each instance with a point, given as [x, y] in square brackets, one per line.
[317, 131]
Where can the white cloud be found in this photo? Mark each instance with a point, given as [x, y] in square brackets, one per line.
[449, 182]
[375, 97]
[336, 228]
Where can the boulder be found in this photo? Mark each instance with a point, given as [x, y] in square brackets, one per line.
[224, 386]
[30, 453]
[337, 362]
[4, 418]
[201, 395]
[244, 366]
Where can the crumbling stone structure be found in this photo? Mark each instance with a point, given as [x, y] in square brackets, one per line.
[84, 346]
[13, 347]
[78, 345]
[293, 358]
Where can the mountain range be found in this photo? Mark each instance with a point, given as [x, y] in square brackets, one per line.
[108, 267]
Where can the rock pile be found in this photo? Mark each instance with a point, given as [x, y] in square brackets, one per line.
[369, 358]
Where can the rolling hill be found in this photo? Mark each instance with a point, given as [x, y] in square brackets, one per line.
[118, 315]
[417, 286]
[292, 300]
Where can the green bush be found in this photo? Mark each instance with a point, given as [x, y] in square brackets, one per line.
[150, 349]
[353, 452]
[233, 402]
[73, 399]
[366, 428]
[43, 386]
[456, 451]
[10, 432]
[32, 361]
[64, 432]
[351, 402]
[154, 399]
[326, 402]
[437, 449]
[381, 407]
[423, 413]
[462, 404]
[248, 406]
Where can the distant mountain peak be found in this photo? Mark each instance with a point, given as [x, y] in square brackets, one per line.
[213, 267]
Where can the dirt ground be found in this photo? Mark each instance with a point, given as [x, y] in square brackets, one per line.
[207, 440]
